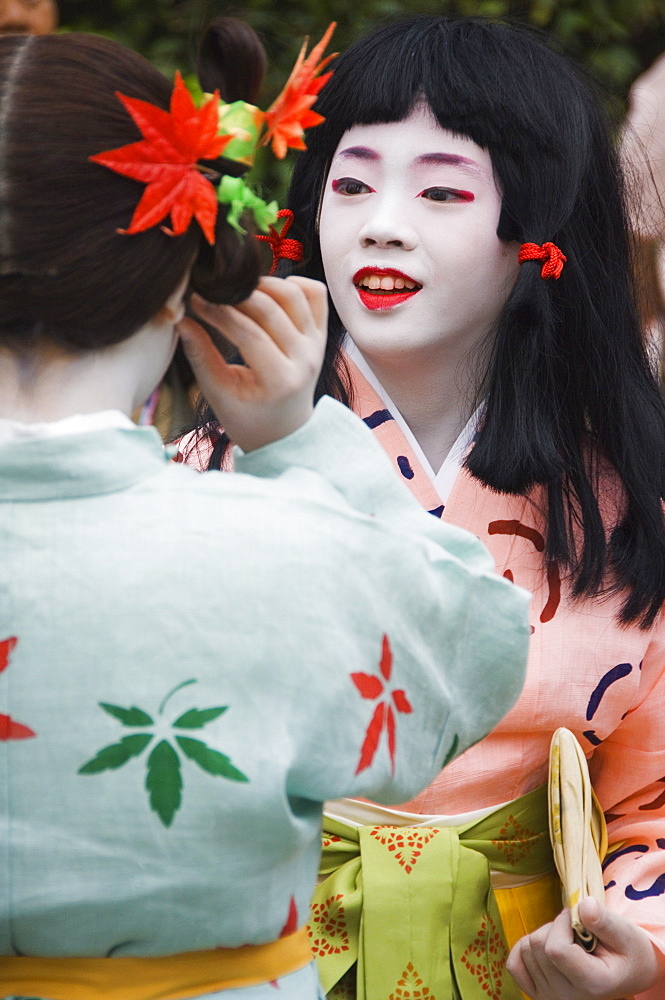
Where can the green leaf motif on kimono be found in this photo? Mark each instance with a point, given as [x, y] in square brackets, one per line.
[196, 718]
[164, 781]
[209, 760]
[117, 754]
[128, 716]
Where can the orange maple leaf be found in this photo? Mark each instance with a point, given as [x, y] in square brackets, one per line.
[290, 113]
[166, 160]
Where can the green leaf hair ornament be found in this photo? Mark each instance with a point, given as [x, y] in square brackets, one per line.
[234, 192]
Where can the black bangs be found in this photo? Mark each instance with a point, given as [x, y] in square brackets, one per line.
[452, 65]
[499, 84]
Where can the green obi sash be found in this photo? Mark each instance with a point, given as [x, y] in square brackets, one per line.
[414, 906]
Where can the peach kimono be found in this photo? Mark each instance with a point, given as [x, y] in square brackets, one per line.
[606, 683]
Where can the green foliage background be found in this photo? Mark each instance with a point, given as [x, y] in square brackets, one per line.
[617, 39]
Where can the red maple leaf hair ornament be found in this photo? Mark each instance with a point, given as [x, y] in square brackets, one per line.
[290, 113]
[166, 159]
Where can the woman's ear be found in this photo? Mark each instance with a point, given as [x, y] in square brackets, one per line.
[173, 309]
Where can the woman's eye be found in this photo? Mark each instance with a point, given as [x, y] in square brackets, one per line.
[350, 186]
[442, 194]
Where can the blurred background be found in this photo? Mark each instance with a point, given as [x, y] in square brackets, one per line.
[617, 39]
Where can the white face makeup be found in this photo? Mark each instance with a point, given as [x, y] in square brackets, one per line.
[408, 238]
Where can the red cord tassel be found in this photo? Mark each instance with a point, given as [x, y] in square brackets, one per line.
[549, 253]
[281, 247]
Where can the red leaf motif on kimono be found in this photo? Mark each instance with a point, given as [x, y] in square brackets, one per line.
[6, 647]
[368, 685]
[166, 159]
[372, 737]
[289, 927]
[402, 703]
[291, 924]
[386, 665]
[371, 687]
[9, 728]
[390, 726]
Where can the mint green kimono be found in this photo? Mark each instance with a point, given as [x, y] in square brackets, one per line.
[191, 664]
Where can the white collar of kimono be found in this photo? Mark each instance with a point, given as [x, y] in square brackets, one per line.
[358, 812]
[443, 479]
[15, 430]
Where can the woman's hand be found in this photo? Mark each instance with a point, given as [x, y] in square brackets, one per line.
[280, 330]
[548, 965]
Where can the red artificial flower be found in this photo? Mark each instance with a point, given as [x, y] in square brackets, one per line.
[289, 114]
[166, 159]
[372, 687]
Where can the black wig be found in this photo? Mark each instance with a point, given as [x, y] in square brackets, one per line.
[567, 387]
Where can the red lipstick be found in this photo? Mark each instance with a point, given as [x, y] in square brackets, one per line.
[384, 298]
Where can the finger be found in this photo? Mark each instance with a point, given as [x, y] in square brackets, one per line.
[610, 929]
[265, 342]
[211, 371]
[317, 296]
[257, 324]
[573, 970]
[543, 974]
[291, 297]
[519, 971]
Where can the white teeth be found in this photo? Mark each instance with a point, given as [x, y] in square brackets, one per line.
[386, 283]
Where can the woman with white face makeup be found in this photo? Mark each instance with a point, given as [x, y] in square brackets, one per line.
[408, 241]
[463, 202]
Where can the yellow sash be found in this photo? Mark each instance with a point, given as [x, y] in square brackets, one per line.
[164, 977]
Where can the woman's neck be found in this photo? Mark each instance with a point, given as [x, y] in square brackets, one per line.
[435, 401]
[49, 384]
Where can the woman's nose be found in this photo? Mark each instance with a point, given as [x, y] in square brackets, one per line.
[388, 227]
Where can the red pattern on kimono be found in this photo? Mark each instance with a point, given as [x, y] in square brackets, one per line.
[10, 729]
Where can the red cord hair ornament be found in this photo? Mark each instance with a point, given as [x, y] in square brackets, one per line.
[549, 253]
[280, 246]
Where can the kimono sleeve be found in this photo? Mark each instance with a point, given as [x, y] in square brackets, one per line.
[336, 444]
[429, 644]
[628, 774]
